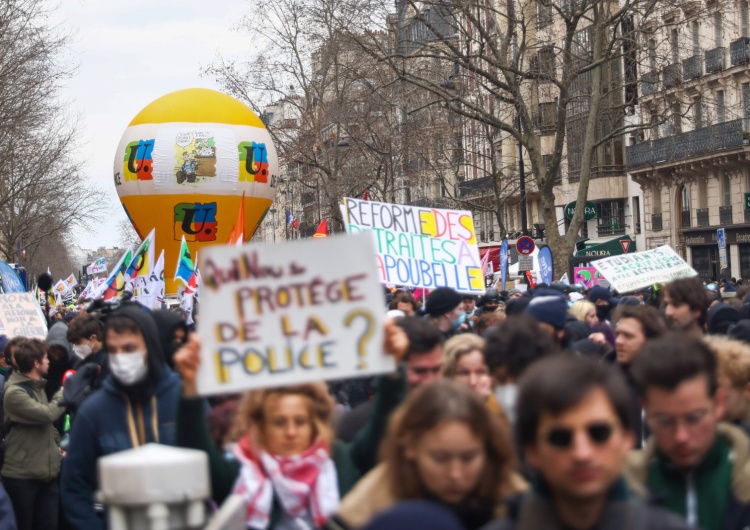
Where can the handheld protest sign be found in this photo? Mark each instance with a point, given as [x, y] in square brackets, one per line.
[275, 315]
[419, 247]
[629, 272]
[21, 316]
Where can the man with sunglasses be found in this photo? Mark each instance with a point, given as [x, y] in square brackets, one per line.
[574, 425]
[699, 468]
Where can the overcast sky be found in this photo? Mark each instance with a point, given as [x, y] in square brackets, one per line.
[128, 54]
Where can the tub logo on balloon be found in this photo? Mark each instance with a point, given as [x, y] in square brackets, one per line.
[195, 156]
[196, 221]
[253, 162]
[138, 162]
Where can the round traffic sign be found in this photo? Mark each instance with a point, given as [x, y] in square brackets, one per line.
[525, 245]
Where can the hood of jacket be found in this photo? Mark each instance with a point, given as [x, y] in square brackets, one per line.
[57, 336]
[167, 322]
[638, 461]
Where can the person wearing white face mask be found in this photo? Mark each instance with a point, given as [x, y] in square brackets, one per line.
[136, 405]
[86, 334]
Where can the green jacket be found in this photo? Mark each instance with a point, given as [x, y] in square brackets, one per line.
[352, 459]
[32, 445]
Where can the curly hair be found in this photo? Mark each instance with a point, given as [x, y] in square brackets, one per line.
[252, 410]
[734, 359]
[428, 407]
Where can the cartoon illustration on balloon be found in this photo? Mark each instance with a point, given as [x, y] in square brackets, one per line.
[183, 165]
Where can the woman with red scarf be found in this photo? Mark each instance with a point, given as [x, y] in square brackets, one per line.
[286, 465]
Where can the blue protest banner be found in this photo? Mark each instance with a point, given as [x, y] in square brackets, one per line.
[546, 265]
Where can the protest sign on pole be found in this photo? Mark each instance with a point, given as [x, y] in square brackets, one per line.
[21, 316]
[630, 272]
[100, 265]
[286, 314]
[588, 276]
[71, 281]
[419, 247]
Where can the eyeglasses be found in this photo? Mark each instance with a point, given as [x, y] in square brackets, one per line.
[669, 423]
[562, 438]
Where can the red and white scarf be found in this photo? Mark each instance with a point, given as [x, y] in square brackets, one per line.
[302, 482]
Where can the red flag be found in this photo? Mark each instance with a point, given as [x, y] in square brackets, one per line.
[322, 230]
[237, 236]
[366, 195]
[295, 224]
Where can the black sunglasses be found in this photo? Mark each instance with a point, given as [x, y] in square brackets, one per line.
[562, 438]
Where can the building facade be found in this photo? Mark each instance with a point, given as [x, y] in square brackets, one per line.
[693, 163]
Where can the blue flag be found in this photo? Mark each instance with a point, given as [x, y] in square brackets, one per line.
[503, 262]
[288, 217]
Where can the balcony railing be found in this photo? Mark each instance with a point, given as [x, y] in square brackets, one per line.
[715, 60]
[701, 215]
[649, 83]
[685, 218]
[692, 68]
[739, 51]
[708, 140]
[725, 215]
[656, 224]
[474, 186]
[597, 172]
[672, 76]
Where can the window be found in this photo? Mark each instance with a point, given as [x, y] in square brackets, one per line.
[698, 113]
[652, 54]
[637, 214]
[696, 38]
[656, 197]
[744, 19]
[745, 105]
[674, 46]
[675, 119]
[544, 13]
[726, 189]
[720, 112]
[718, 30]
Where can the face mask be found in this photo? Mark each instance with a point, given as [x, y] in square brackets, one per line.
[128, 368]
[455, 324]
[82, 351]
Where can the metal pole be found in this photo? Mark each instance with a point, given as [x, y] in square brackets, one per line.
[522, 180]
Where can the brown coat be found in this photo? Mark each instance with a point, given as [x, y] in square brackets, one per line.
[372, 495]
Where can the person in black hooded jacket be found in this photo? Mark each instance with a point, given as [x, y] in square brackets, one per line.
[173, 332]
[137, 404]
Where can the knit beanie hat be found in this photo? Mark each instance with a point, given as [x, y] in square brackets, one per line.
[720, 317]
[549, 309]
[441, 301]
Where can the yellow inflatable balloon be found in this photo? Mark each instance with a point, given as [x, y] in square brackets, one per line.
[183, 165]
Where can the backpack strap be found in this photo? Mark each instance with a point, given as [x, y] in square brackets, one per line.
[8, 425]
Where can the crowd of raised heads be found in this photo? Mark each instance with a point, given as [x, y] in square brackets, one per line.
[556, 407]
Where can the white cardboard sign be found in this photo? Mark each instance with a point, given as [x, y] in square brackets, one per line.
[21, 316]
[629, 272]
[274, 315]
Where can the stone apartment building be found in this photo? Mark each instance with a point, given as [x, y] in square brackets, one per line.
[693, 165]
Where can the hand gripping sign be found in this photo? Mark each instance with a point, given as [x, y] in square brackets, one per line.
[276, 315]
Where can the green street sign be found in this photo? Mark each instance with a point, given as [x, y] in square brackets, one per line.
[747, 201]
[613, 247]
[589, 211]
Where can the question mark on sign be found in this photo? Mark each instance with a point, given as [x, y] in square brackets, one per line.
[366, 334]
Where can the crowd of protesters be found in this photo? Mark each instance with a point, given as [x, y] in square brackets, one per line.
[556, 407]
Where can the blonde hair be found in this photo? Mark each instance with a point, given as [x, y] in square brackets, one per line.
[458, 346]
[581, 308]
[252, 409]
[733, 358]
